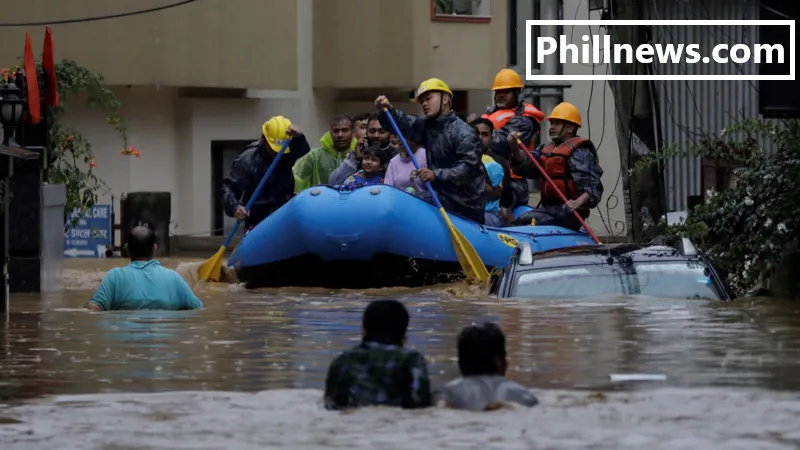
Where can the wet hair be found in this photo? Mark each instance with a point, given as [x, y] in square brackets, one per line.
[482, 121]
[385, 322]
[376, 151]
[141, 239]
[360, 117]
[341, 118]
[480, 348]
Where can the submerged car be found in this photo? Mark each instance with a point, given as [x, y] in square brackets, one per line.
[611, 269]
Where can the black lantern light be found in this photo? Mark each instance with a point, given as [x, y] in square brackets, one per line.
[11, 108]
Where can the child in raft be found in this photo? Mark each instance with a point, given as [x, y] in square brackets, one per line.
[482, 362]
[379, 371]
[373, 166]
[401, 172]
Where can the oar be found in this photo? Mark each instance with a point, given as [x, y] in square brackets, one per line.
[470, 262]
[558, 191]
[212, 268]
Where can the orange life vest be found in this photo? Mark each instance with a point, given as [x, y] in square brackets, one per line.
[555, 161]
[501, 117]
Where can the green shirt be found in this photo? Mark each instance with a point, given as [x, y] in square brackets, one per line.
[378, 374]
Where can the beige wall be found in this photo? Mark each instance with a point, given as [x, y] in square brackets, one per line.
[596, 104]
[465, 55]
[362, 43]
[227, 43]
[389, 43]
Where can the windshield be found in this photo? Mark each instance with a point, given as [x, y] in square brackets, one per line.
[671, 279]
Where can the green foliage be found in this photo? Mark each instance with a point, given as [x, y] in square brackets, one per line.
[70, 157]
[745, 229]
[71, 160]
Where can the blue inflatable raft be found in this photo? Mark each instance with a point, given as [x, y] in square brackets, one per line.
[373, 236]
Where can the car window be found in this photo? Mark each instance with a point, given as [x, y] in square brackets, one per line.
[671, 279]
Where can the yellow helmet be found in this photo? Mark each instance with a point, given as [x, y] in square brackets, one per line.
[566, 111]
[507, 79]
[431, 84]
[274, 131]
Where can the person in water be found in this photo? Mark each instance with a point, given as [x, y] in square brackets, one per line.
[373, 165]
[143, 284]
[379, 371]
[482, 362]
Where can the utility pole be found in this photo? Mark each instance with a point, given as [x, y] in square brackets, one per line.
[636, 131]
[549, 10]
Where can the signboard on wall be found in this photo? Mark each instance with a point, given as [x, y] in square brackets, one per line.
[90, 236]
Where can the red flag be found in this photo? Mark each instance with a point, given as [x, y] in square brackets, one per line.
[34, 106]
[49, 66]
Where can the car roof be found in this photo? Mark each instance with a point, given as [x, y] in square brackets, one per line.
[599, 254]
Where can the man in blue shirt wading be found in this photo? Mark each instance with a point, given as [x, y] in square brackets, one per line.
[143, 284]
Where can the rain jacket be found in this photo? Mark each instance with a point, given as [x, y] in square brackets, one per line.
[583, 167]
[246, 172]
[527, 128]
[453, 151]
[316, 167]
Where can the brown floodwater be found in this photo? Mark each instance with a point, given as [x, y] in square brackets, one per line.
[281, 341]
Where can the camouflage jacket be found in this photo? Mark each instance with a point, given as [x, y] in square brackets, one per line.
[372, 374]
[453, 151]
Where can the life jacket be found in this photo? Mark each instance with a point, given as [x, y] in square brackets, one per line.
[555, 161]
[501, 117]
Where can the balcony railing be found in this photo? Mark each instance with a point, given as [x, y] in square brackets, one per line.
[461, 11]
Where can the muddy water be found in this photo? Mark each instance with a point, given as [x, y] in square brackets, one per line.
[73, 379]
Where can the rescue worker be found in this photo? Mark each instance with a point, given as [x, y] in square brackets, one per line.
[571, 162]
[317, 167]
[510, 115]
[250, 166]
[453, 149]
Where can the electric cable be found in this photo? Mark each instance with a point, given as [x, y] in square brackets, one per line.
[96, 18]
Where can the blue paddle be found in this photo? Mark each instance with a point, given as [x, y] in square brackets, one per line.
[212, 268]
[469, 259]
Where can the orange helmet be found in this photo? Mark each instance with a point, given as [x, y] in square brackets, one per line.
[507, 79]
[566, 111]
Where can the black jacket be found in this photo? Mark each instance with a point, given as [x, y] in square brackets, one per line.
[453, 151]
[246, 172]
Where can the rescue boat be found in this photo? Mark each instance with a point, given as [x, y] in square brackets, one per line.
[371, 237]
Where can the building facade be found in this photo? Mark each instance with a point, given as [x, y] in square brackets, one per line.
[197, 80]
[689, 109]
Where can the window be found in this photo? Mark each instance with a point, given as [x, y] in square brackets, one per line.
[667, 279]
[778, 98]
[460, 10]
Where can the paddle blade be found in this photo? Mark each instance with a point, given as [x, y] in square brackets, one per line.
[211, 269]
[470, 262]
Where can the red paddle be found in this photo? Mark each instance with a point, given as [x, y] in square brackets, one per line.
[558, 191]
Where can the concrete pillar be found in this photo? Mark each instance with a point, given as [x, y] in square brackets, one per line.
[549, 10]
